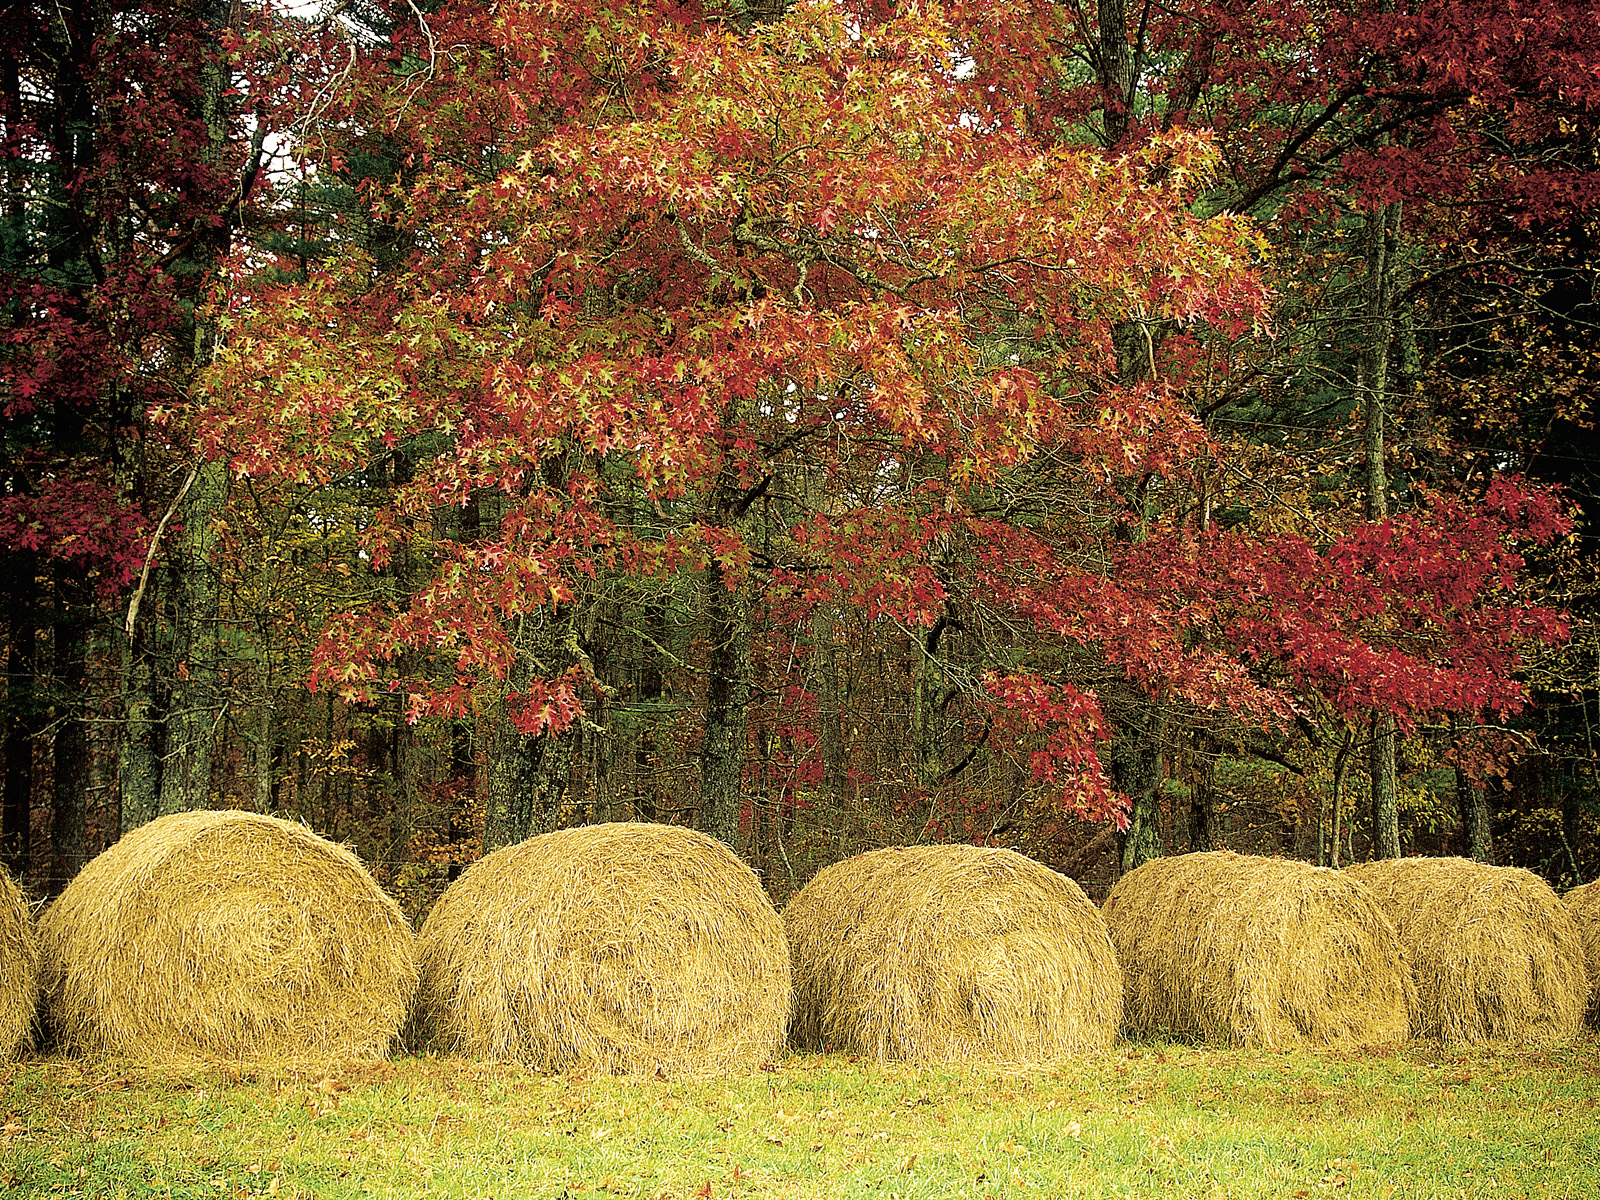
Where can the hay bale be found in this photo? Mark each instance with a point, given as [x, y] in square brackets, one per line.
[226, 936]
[1247, 951]
[1583, 905]
[1494, 953]
[949, 954]
[19, 970]
[626, 948]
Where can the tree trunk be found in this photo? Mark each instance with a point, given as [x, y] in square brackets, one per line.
[1115, 70]
[929, 693]
[1385, 808]
[830, 703]
[69, 843]
[1341, 766]
[197, 701]
[1203, 831]
[528, 772]
[1137, 766]
[1372, 382]
[139, 751]
[1474, 809]
[727, 616]
[24, 724]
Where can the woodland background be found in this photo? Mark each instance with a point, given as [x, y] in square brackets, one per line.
[1100, 429]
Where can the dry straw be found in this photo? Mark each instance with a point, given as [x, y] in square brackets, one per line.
[226, 937]
[1494, 952]
[1247, 951]
[949, 954]
[1583, 904]
[625, 948]
[19, 970]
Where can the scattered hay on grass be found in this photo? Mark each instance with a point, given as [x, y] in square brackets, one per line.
[1494, 953]
[225, 937]
[949, 954]
[19, 970]
[1583, 904]
[626, 948]
[1247, 951]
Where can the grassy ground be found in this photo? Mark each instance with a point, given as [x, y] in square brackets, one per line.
[1142, 1120]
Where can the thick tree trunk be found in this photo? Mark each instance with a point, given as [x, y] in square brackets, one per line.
[197, 701]
[1115, 70]
[1137, 762]
[1385, 806]
[1204, 833]
[1474, 809]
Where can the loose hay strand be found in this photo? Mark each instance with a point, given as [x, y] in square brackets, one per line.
[19, 970]
[226, 936]
[1248, 951]
[1495, 954]
[627, 948]
[949, 954]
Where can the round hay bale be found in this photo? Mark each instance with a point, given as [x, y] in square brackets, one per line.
[626, 948]
[950, 954]
[1583, 905]
[226, 936]
[19, 970]
[1494, 953]
[1247, 951]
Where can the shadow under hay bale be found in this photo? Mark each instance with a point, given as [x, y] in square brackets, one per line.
[1494, 953]
[226, 937]
[949, 954]
[1583, 904]
[19, 970]
[1246, 951]
[626, 948]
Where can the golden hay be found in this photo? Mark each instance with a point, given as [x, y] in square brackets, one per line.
[1583, 904]
[625, 948]
[1495, 955]
[1247, 951]
[226, 936]
[19, 970]
[937, 954]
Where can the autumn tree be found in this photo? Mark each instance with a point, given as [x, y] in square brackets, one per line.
[127, 169]
[1393, 154]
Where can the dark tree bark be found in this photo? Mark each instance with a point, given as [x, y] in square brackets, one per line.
[24, 725]
[69, 845]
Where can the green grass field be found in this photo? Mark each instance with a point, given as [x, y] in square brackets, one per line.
[1140, 1120]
